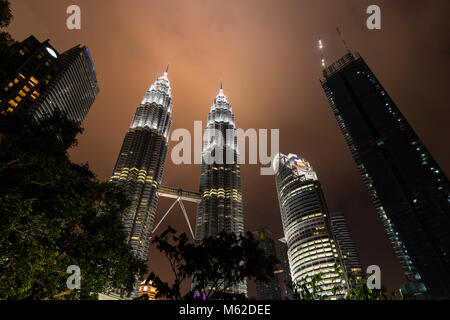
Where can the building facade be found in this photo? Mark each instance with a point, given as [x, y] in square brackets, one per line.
[271, 290]
[306, 224]
[140, 164]
[44, 81]
[408, 188]
[147, 289]
[350, 259]
[220, 208]
[285, 276]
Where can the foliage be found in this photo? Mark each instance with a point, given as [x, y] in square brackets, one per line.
[353, 289]
[310, 290]
[357, 289]
[5, 13]
[55, 213]
[215, 264]
[6, 41]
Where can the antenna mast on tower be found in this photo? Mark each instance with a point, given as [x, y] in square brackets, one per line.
[322, 59]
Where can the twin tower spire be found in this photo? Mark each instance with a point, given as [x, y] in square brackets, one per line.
[220, 208]
[140, 164]
[167, 72]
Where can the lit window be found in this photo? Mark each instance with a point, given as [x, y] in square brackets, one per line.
[36, 93]
[16, 80]
[34, 80]
[13, 103]
[23, 94]
[22, 76]
[10, 84]
[18, 99]
[26, 89]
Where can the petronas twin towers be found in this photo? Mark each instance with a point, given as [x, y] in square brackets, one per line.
[141, 160]
[220, 180]
[140, 163]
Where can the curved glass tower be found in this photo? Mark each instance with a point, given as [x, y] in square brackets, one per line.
[140, 164]
[220, 208]
[306, 223]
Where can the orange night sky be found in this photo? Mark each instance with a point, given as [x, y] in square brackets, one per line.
[266, 53]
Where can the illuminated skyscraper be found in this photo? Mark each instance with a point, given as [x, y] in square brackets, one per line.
[306, 223]
[409, 190]
[140, 164]
[344, 239]
[220, 208]
[44, 81]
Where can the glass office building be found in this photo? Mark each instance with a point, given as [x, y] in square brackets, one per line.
[350, 258]
[306, 224]
[409, 190]
[272, 289]
[44, 80]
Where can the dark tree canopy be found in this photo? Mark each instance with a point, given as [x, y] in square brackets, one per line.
[55, 213]
[6, 42]
[352, 289]
[219, 263]
[5, 13]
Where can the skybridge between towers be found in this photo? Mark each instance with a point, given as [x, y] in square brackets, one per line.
[179, 195]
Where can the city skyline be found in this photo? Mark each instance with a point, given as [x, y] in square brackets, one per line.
[100, 146]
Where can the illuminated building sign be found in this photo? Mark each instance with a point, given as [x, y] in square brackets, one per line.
[300, 162]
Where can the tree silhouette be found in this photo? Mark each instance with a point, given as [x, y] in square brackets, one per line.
[6, 41]
[215, 265]
[55, 213]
